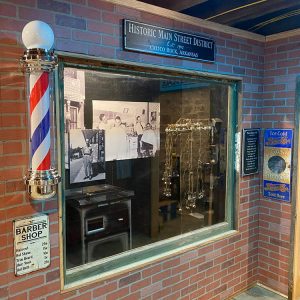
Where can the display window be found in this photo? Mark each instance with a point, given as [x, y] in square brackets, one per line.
[147, 159]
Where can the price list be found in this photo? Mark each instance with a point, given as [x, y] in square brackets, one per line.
[31, 244]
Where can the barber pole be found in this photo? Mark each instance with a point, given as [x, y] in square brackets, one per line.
[38, 61]
[40, 121]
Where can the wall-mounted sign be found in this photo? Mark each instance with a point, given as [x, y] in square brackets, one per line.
[31, 244]
[277, 163]
[146, 38]
[250, 151]
[175, 85]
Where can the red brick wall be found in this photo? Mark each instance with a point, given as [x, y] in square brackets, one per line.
[282, 59]
[213, 272]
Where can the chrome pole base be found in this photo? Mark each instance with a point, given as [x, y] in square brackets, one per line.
[42, 184]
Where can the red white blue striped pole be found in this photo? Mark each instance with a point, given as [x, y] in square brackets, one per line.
[39, 61]
[40, 121]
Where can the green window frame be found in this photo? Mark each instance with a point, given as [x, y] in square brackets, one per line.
[135, 258]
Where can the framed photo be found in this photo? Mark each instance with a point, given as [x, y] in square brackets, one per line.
[131, 128]
[86, 155]
[74, 99]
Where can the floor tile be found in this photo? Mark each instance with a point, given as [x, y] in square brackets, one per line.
[258, 293]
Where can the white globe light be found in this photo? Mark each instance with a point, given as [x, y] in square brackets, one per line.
[37, 34]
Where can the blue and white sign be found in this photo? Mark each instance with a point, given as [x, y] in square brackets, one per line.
[277, 163]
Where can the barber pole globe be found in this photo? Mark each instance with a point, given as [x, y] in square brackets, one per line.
[38, 61]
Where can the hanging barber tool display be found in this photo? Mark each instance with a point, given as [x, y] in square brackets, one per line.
[192, 155]
[38, 62]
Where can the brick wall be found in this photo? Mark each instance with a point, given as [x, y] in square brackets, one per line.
[282, 59]
[213, 272]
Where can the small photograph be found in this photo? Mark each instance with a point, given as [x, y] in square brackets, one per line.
[131, 128]
[154, 116]
[74, 98]
[86, 155]
[67, 136]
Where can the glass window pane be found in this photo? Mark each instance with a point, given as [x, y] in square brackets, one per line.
[145, 160]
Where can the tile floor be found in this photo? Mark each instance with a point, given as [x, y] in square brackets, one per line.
[258, 293]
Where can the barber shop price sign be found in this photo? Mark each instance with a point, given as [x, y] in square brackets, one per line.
[31, 244]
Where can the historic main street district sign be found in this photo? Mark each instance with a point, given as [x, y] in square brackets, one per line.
[146, 38]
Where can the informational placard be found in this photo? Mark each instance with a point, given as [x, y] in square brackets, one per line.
[152, 39]
[250, 151]
[175, 85]
[277, 163]
[31, 244]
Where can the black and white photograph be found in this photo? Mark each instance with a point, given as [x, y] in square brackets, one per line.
[131, 128]
[67, 136]
[86, 155]
[74, 98]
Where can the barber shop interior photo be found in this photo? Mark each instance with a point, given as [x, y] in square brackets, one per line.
[149, 149]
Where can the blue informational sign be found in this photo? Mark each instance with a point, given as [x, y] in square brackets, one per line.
[152, 39]
[277, 163]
